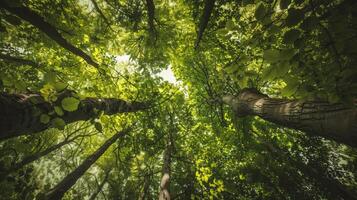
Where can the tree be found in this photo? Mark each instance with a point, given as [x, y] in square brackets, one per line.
[70, 110]
[332, 121]
[230, 99]
[61, 188]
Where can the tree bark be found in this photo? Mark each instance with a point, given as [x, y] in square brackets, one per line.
[39, 22]
[333, 121]
[20, 113]
[166, 172]
[209, 5]
[150, 6]
[61, 188]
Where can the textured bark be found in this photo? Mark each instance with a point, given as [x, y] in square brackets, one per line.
[39, 22]
[150, 6]
[209, 5]
[61, 188]
[20, 112]
[332, 121]
[18, 60]
[100, 186]
[166, 172]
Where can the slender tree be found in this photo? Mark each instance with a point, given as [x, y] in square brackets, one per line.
[62, 187]
[100, 186]
[207, 11]
[39, 22]
[31, 158]
[334, 121]
[150, 6]
[166, 172]
[18, 112]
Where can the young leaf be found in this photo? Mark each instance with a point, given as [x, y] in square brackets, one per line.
[59, 110]
[58, 123]
[44, 118]
[70, 104]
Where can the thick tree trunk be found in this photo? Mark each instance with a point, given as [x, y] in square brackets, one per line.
[332, 121]
[39, 22]
[166, 172]
[61, 188]
[20, 113]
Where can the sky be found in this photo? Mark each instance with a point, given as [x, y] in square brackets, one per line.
[165, 74]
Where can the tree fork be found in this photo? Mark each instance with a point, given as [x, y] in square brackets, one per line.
[20, 113]
[334, 121]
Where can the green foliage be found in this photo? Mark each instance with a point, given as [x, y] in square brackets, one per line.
[293, 49]
[70, 104]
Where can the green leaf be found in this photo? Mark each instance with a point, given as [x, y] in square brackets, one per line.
[283, 4]
[98, 126]
[70, 104]
[290, 36]
[59, 86]
[247, 2]
[287, 54]
[260, 11]
[291, 87]
[44, 118]
[294, 17]
[59, 110]
[271, 55]
[58, 123]
[50, 77]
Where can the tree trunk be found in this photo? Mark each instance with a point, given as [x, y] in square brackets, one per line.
[150, 6]
[31, 158]
[209, 5]
[166, 171]
[61, 188]
[39, 22]
[20, 113]
[332, 121]
[100, 186]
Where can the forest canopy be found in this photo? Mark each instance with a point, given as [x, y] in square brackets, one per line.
[178, 99]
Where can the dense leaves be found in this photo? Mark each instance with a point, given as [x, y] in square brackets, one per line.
[67, 55]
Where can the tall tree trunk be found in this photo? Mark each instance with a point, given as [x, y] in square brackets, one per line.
[150, 6]
[39, 22]
[332, 121]
[100, 186]
[166, 172]
[209, 5]
[61, 188]
[20, 112]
